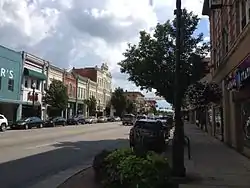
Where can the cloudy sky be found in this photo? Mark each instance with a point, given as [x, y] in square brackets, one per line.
[79, 33]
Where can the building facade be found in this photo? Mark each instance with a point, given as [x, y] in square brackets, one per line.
[82, 91]
[34, 83]
[70, 82]
[138, 99]
[230, 67]
[10, 83]
[102, 77]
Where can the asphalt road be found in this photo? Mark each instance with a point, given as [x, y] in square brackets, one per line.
[30, 156]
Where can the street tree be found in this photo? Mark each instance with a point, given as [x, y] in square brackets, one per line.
[130, 107]
[150, 64]
[91, 105]
[119, 101]
[201, 94]
[56, 97]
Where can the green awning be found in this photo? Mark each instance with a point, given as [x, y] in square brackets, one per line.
[34, 74]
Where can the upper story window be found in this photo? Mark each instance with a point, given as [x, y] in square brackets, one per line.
[225, 41]
[70, 89]
[11, 85]
[243, 14]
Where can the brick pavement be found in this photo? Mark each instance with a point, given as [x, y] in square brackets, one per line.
[213, 164]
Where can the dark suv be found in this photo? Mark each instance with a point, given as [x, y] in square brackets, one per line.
[150, 134]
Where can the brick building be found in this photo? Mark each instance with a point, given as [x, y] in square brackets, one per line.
[137, 98]
[230, 67]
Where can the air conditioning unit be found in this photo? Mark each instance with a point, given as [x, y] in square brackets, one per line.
[215, 4]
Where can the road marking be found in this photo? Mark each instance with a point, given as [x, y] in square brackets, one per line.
[42, 145]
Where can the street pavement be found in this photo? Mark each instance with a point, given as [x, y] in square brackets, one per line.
[28, 157]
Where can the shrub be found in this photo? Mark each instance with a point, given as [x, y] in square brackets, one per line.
[124, 169]
[99, 164]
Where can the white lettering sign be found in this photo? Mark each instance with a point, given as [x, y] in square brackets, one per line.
[6, 73]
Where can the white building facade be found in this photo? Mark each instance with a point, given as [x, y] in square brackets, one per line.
[104, 85]
[34, 82]
[82, 94]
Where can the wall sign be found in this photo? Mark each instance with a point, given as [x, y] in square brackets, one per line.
[6, 73]
[30, 96]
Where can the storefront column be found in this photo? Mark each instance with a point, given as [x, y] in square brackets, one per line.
[226, 114]
[19, 112]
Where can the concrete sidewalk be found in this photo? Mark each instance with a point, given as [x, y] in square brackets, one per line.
[213, 164]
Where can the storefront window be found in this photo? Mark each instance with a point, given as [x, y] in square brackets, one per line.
[245, 108]
[218, 122]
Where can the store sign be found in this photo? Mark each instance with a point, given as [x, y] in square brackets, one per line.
[30, 96]
[237, 78]
[6, 73]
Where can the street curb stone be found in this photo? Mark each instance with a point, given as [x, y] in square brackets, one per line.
[56, 180]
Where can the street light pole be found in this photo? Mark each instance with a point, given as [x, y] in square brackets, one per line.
[178, 140]
[33, 96]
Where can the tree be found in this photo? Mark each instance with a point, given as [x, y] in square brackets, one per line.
[56, 96]
[199, 95]
[130, 107]
[151, 63]
[119, 101]
[91, 105]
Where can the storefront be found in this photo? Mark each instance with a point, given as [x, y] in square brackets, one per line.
[10, 84]
[238, 83]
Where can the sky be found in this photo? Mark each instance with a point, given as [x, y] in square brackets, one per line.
[81, 33]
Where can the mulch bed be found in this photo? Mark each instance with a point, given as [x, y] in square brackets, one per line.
[83, 179]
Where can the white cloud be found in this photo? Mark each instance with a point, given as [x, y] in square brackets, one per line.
[82, 33]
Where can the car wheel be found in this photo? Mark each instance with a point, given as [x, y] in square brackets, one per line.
[40, 125]
[3, 127]
[26, 126]
[64, 123]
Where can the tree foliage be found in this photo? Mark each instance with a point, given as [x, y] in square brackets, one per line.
[200, 94]
[91, 105]
[151, 63]
[130, 107]
[119, 101]
[56, 96]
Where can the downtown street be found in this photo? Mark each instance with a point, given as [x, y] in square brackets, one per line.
[29, 157]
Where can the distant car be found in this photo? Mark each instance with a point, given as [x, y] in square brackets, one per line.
[54, 121]
[117, 118]
[91, 119]
[76, 120]
[102, 119]
[149, 133]
[3, 123]
[138, 117]
[111, 119]
[28, 123]
[128, 119]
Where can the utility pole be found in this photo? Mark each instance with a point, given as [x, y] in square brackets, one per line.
[179, 169]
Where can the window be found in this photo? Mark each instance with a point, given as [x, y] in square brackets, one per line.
[79, 92]
[225, 41]
[0, 82]
[11, 85]
[26, 82]
[70, 90]
[237, 17]
[38, 84]
[243, 14]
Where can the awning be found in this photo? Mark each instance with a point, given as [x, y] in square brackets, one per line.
[34, 74]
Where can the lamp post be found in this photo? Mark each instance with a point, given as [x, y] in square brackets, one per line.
[178, 140]
[33, 86]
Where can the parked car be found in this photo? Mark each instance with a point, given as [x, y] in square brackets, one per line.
[128, 119]
[150, 134]
[76, 120]
[138, 117]
[111, 119]
[117, 118]
[91, 119]
[3, 123]
[102, 119]
[54, 121]
[28, 123]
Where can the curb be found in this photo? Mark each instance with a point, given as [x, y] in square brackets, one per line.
[58, 179]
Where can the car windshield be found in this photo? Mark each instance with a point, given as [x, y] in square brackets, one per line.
[154, 125]
[128, 116]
